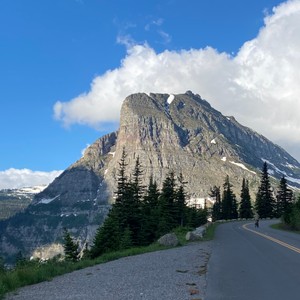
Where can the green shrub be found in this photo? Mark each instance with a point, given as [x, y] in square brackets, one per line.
[181, 232]
[292, 218]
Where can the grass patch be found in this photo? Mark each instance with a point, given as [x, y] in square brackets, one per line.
[282, 226]
[181, 233]
[32, 272]
[106, 257]
[209, 233]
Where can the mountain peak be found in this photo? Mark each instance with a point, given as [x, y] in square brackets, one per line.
[179, 132]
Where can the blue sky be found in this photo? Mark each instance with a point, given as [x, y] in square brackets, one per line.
[66, 66]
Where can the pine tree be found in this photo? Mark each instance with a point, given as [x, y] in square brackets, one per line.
[133, 203]
[138, 188]
[122, 182]
[265, 202]
[180, 202]
[126, 206]
[192, 216]
[293, 217]
[284, 199]
[216, 210]
[150, 213]
[70, 247]
[196, 216]
[107, 236]
[229, 204]
[245, 209]
[126, 239]
[167, 217]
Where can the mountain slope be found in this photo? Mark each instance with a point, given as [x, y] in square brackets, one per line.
[181, 132]
[13, 201]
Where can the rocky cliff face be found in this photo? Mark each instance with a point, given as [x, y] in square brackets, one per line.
[185, 134]
[171, 132]
[182, 133]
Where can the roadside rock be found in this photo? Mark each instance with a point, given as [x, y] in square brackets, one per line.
[191, 236]
[195, 234]
[169, 240]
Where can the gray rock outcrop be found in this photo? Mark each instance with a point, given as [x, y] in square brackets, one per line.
[195, 234]
[168, 240]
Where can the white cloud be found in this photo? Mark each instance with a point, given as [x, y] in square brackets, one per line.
[142, 70]
[157, 22]
[165, 36]
[83, 150]
[17, 178]
[259, 86]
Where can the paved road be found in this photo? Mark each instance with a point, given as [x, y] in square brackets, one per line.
[261, 264]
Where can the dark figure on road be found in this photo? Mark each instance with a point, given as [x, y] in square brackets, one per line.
[256, 223]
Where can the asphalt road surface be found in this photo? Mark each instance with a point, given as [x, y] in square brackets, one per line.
[253, 263]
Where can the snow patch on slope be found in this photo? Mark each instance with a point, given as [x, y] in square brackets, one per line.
[287, 177]
[31, 190]
[170, 99]
[242, 166]
[47, 200]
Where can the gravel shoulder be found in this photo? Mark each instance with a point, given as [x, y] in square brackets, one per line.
[177, 274]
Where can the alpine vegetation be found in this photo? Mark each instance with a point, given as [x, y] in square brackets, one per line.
[140, 215]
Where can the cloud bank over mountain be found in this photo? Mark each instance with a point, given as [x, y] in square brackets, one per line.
[17, 178]
[259, 85]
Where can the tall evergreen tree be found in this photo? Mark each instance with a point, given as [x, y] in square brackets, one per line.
[292, 218]
[138, 188]
[126, 239]
[122, 182]
[245, 209]
[150, 213]
[108, 235]
[196, 216]
[133, 204]
[265, 202]
[70, 247]
[216, 209]
[167, 211]
[229, 204]
[284, 199]
[180, 202]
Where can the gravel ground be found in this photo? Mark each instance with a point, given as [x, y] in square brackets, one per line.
[174, 274]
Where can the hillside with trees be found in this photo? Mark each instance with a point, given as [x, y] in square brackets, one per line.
[140, 215]
[270, 202]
